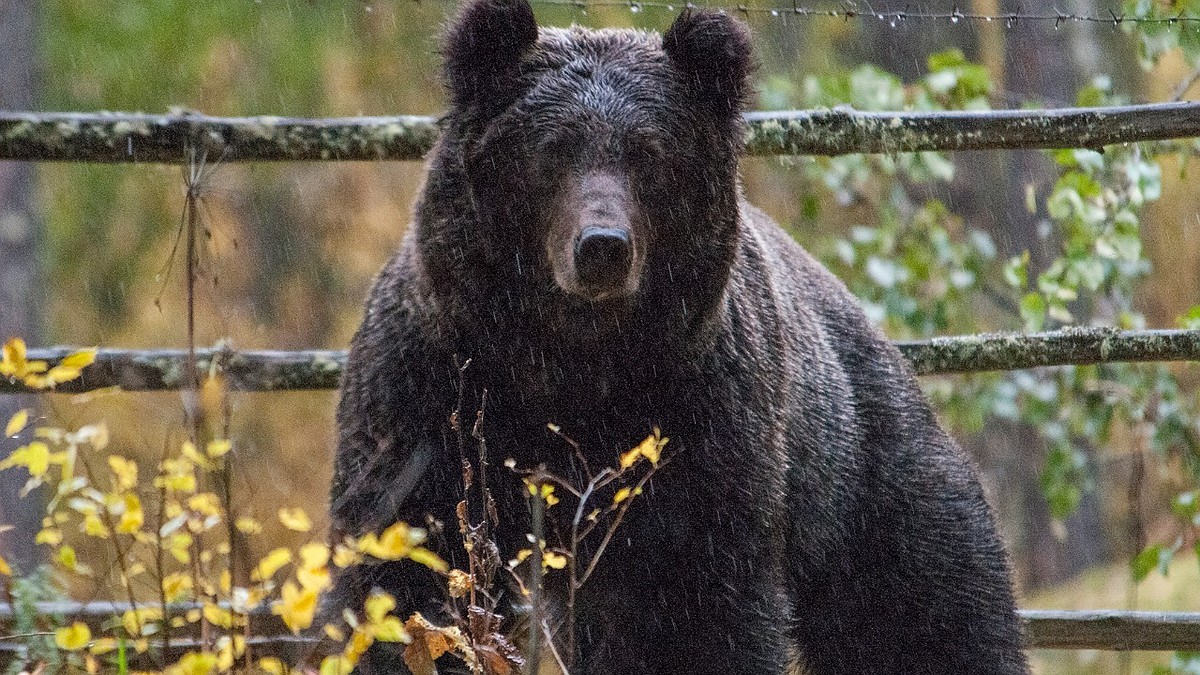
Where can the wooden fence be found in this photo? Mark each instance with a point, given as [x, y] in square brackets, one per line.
[177, 137]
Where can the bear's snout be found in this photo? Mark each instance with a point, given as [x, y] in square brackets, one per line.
[603, 256]
[596, 243]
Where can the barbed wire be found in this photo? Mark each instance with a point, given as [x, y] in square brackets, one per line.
[892, 17]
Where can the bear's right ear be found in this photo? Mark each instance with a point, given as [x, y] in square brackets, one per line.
[483, 49]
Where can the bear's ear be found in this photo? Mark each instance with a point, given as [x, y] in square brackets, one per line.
[483, 49]
[713, 52]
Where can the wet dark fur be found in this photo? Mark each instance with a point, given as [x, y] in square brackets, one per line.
[814, 504]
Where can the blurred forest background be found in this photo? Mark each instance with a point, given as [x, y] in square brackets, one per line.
[1088, 466]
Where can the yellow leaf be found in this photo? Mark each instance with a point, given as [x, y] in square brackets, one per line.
[630, 458]
[188, 449]
[270, 564]
[4, 568]
[272, 665]
[103, 645]
[124, 470]
[377, 606]
[429, 559]
[132, 517]
[314, 554]
[194, 663]
[94, 527]
[218, 616]
[17, 423]
[35, 457]
[73, 637]
[248, 525]
[37, 381]
[218, 448]
[336, 665]
[333, 632]
[48, 535]
[12, 363]
[59, 374]
[136, 620]
[66, 556]
[295, 519]
[296, 606]
[622, 495]
[80, 359]
[553, 560]
[391, 630]
[179, 546]
[314, 578]
[344, 556]
[205, 503]
[394, 543]
[176, 586]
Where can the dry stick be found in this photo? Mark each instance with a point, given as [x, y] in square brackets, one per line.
[537, 507]
[136, 137]
[558, 659]
[161, 568]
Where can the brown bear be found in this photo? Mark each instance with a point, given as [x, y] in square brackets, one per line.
[583, 242]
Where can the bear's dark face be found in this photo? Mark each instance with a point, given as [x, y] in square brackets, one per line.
[600, 165]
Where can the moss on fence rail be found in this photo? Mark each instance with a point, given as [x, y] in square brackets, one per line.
[136, 137]
[156, 370]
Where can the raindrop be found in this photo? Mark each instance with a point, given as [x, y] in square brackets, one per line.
[774, 12]
[892, 23]
[635, 8]
[954, 19]
[369, 9]
[670, 8]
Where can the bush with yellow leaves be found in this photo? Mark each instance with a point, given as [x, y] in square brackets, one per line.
[187, 610]
[170, 535]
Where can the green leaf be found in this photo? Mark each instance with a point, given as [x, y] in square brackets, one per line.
[1191, 320]
[950, 58]
[1033, 311]
[1145, 562]
[1016, 271]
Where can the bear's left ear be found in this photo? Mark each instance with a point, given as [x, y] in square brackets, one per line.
[483, 49]
[713, 51]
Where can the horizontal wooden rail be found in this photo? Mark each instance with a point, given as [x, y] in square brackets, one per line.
[137, 137]
[1114, 630]
[164, 369]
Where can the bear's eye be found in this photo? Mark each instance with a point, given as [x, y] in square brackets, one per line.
[560, 146]
[642, 147]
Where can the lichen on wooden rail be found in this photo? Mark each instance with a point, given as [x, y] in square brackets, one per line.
[1113, 630]
[841, 131]
[1070, 346]
[137, 137]
[163, 369]
[113, 137]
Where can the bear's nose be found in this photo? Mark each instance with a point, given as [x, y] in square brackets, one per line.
[603, 256]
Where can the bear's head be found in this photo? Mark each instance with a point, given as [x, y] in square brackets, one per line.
[590, 173]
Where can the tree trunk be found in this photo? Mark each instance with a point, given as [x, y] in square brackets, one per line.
[20, 278]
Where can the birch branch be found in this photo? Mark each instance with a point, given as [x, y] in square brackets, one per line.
[110, 137]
